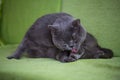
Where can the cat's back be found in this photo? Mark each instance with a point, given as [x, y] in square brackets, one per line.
[39, 30]
[41, 24]
[49, 19]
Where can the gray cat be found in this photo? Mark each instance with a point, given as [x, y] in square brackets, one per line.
[61, 37]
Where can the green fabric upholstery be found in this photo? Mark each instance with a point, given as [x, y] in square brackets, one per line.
[49, 69]
[101, 18]
[0, 22]
[19, 15]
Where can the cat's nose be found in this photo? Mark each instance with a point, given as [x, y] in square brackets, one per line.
[71, 46]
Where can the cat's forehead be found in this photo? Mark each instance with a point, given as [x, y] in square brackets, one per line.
[62, 27]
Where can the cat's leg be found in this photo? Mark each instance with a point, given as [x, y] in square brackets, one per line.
[36, 53]
[17, 54]
[107, 53]
[64, 57]
[68, 56]
[94, 50]
[19, 51]
[104, 53]
[31, 53]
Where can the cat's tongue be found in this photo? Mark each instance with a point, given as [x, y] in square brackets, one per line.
[74, 50]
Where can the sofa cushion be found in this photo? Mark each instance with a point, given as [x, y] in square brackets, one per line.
[50, 69]
[18, 16]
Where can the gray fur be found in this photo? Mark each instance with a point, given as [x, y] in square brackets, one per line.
[55, 36]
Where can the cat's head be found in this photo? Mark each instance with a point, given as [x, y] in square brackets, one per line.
[68, 37]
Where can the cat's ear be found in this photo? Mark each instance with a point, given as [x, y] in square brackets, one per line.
[76, 23]
[53, 28]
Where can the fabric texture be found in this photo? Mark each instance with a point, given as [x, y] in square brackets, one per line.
[101, 18]
[50, 69]
[18, 16]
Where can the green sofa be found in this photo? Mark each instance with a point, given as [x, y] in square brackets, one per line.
[99, 17]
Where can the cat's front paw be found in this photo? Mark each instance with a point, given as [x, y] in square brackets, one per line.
[70, 59]
[65, 58]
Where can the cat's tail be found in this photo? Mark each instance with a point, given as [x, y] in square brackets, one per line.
[19, 51]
